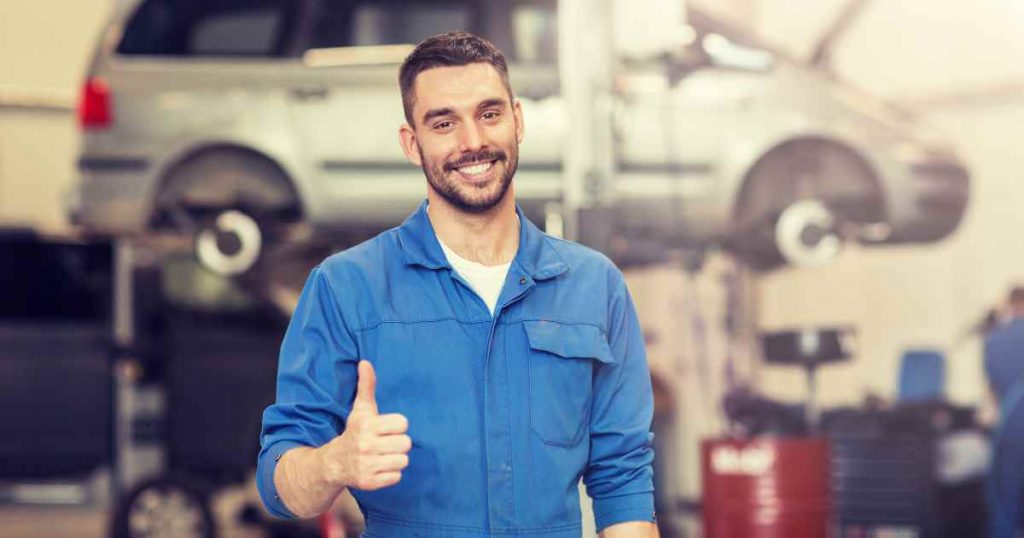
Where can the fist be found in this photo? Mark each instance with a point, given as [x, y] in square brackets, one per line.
[374, 448]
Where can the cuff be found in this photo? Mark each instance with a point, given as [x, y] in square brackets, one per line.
[633, 507]
[267, 465]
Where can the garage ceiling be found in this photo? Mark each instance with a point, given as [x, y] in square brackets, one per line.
[935, 50]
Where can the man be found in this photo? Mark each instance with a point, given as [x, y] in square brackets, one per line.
[461, 372]
[1004, 348]
[1004, 368]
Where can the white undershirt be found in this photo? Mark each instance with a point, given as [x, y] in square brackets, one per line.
[486, 280]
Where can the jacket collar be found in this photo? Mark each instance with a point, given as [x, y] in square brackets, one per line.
[537, 254]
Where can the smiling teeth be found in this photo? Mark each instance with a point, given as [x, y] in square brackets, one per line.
[476, 168]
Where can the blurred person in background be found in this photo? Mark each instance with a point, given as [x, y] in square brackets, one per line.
[1004, 347]
[460, 373]
[1004, 368]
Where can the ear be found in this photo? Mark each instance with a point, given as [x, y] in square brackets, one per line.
[517, 112]
[407, 139]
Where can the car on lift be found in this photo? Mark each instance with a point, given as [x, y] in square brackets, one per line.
[232, 120]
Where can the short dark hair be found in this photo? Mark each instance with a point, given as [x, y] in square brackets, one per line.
[450, 49]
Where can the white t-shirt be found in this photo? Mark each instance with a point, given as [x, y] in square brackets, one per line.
[486, 280]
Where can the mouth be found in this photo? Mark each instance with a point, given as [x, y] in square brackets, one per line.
[476, 171]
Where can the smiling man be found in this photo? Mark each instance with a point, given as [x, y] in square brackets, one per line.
[460, 373]
[469, 164]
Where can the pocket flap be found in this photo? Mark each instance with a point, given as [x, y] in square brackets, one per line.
[569, 340]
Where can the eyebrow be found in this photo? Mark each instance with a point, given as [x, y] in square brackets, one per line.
[488, 103]
[446, 111]
[431, 114]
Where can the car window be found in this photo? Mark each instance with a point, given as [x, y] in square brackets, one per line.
[530, 24]
[251, 32]
[341, 23]
[209, 28]
[383, 24]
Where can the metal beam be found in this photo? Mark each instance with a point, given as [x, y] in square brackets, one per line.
[822, 56]
[585, 72]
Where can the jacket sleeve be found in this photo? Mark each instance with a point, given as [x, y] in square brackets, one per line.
[316, 379]
[619, 476]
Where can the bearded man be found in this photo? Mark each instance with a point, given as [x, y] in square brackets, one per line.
[460, 373]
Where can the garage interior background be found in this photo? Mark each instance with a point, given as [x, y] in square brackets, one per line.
[959, 64]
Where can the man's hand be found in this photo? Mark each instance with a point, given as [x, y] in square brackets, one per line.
[372, 451]
[369, 454]
[630, 529]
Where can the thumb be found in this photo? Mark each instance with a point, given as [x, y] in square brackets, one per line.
[366, 388]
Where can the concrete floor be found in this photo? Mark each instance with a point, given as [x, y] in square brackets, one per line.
[79, 522]
[49, 521]
[92, 520]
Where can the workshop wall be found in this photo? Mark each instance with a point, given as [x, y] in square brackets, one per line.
[42, 59]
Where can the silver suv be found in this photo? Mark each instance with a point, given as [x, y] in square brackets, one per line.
[229, 118]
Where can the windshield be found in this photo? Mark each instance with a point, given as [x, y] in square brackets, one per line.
[253, 28]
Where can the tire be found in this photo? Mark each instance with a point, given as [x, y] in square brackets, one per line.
[801, 174]
[164, 507]
[230, 202]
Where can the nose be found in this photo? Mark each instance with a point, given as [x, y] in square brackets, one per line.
[471, 137]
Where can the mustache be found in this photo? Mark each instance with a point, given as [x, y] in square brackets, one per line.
[476, 157]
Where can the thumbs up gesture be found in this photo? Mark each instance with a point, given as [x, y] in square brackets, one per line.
[372, 451]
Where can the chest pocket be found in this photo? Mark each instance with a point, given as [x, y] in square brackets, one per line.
[562, 360]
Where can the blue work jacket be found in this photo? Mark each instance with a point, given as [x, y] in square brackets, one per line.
[1004, 357]
[506, 413]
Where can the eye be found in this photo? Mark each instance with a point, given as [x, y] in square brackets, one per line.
[490, 115]
[443, 125]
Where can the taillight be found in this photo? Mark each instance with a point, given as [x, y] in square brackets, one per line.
[94, 108]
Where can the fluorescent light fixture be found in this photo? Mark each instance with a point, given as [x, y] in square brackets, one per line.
[727, 53]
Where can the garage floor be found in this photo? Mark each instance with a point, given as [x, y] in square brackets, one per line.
[91, 521]
[48, 521]
[77, 522]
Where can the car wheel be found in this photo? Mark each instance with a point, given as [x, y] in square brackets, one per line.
[231, 204]
[806, 234]
[795, 201]
[230, 243]
[164, 507]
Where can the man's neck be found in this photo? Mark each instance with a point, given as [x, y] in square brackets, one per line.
[489, 238]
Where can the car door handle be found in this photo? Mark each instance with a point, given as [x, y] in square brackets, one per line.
[308, 93]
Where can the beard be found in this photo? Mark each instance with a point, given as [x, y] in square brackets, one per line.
[472, 198]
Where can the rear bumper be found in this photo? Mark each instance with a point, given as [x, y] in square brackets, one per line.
[113, 195]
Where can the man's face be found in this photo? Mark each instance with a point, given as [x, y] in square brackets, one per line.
[465, 136]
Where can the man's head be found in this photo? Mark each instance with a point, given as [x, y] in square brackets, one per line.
[453, 49]
[1017, 301]
[464, 127]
